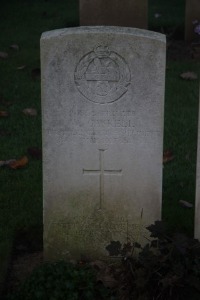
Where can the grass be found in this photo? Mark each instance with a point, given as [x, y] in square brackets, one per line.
[22, 23]
[181, 118]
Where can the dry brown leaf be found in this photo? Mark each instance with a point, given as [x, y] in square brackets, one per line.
[185, 204]
[20, 163]
[189, 76]
[30, 112]
[3, 55]
[3, 113]
[167, 156]
[14, 47]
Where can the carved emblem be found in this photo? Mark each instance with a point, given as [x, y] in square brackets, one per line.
[102, 76]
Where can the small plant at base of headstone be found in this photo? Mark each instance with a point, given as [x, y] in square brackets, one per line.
[168, 268]
[61, 281]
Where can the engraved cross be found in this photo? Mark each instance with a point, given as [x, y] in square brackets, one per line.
[102, 172]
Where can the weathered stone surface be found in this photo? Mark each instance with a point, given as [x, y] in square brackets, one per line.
[103, 98]
[128, 13]
[192, 13]
[197, 203]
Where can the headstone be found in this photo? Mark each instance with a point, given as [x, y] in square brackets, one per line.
[103, 96]
[192, 13]
[127, 13]
[197, 202]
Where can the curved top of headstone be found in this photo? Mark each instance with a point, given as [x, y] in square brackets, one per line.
[104, 29]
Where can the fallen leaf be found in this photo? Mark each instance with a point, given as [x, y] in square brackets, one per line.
[6, 162]
[20, 163]
[35, 152]
[167, 156]
[30, 112]
[35, 73]
[157, 15]
[14, 47]
[3, 55]
[185, 204]
[3, 113]
[189, 76]
[21, 67]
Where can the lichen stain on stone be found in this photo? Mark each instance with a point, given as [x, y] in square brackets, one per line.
[114, 248]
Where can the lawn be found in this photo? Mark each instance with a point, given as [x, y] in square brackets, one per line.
[22, 23]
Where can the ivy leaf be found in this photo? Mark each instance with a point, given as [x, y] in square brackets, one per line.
[158, 230]
[127, 249]
[114, 248]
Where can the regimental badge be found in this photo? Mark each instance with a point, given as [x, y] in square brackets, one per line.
[102, 76]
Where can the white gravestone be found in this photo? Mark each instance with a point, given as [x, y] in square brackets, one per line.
[197, 203]
[103, 102]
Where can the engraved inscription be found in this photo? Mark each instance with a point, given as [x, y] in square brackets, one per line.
[101, 172]
[102, 76]
[132, 232]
